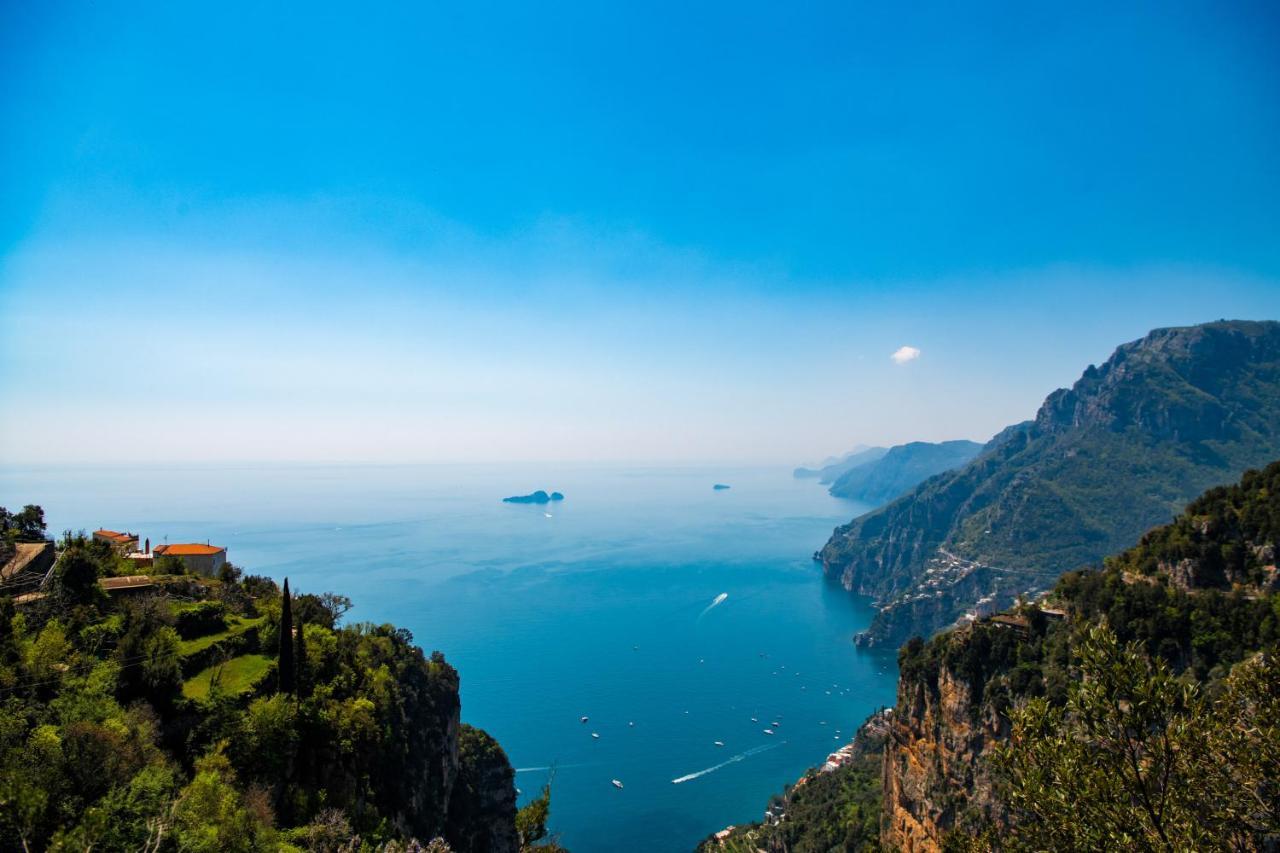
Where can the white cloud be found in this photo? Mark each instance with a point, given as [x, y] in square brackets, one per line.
[904, 354]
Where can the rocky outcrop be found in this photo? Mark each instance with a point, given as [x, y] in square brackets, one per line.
[538, 497]
[482, 815]
[936, 742]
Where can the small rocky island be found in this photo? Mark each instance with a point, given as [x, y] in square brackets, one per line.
[538, 497]
[719, 487]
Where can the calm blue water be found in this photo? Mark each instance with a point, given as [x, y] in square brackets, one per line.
[595, 606]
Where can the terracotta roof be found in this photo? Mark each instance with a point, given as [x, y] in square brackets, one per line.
[192, 549]
[112, 534]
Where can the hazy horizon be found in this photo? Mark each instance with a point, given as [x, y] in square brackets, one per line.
[739, 234]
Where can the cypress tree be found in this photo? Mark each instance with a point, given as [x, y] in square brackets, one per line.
[301, 674]
[285, 666]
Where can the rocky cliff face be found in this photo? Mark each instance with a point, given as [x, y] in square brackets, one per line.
[1122, 450]
[934, 775]
[482, 816]
[1200, 593]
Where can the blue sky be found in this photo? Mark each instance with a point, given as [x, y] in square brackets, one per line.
[558, 231]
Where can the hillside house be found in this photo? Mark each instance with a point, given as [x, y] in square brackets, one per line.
[122, 543]
[201, 559]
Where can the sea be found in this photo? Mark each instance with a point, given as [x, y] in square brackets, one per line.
[673, 616]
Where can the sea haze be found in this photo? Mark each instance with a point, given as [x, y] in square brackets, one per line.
[600, 605]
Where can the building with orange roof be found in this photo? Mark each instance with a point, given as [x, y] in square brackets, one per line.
[123, 543]
[203, 559]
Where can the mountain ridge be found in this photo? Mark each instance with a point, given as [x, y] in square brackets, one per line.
[1133, 440]
[901, 468]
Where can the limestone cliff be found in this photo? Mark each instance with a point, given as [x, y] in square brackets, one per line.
[933, 773]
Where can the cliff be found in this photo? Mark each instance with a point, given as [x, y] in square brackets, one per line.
[1130, 443]
[1198, 595]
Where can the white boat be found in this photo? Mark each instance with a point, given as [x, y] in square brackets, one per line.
[582, 720]
[632, 725]
[755, 719]
[718, 743]
[775, 724]
[595, 735]
[768, 731]
[617, 784]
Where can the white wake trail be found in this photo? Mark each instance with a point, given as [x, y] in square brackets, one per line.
[739, 757]
[719, 599]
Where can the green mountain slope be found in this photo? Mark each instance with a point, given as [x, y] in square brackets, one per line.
[1165, 418]
[1009, 727]
[902, 468]
[1200, 600]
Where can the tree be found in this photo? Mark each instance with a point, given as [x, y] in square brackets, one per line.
[1139, 759]
[76, 577]
[148, 653]
[301, 672]
[326, 609]
[531, 821]
[212, 816]
[285, 667]
[29, 524]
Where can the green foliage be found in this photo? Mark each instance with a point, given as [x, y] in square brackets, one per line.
[102, 745]
[285, 670]
[26, 525]
[167, 564]
[237, 626]
[212, 815]
[830, 809]
[1139, 759]
[531, 819]
[199, 618]
[1149, 717]
[326, 609]
[75, 578]
[229, 678]
[1219, 539]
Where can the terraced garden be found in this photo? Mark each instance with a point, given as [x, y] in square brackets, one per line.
[236, 676]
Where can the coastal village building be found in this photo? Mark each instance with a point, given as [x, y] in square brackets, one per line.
[123, 543]
[201, 559]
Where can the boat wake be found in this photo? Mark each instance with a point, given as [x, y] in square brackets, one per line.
[742, 756]
[719, 599]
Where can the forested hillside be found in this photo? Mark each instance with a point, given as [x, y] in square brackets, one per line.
[1137, 706]
[225, 714]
